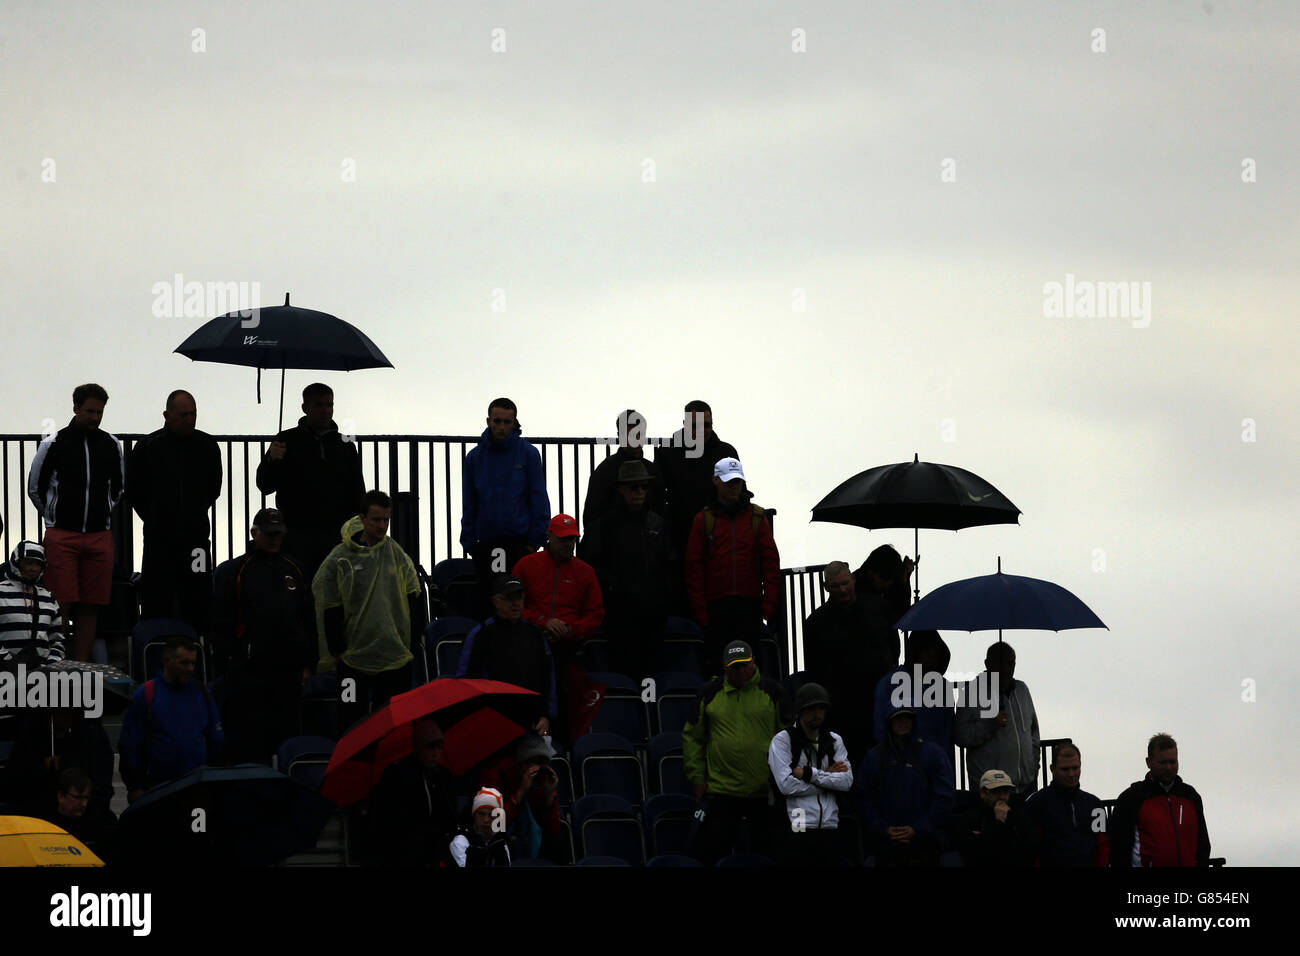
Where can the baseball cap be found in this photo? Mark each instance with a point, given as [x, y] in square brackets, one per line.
[727, 469]
[504, 584]
[563, 526]
[994, 779]
[269, 521]
[737, 652]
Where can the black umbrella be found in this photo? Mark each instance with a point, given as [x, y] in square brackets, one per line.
[283, 337]
[252, 816]
[916, 494]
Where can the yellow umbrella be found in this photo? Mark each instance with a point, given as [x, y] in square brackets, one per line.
[27, 841]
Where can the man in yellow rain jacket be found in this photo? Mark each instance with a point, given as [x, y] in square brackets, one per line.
[370, 610]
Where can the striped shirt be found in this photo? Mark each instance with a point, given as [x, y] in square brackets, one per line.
[29, 618]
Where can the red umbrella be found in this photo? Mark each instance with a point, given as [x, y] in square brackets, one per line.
[477, 717]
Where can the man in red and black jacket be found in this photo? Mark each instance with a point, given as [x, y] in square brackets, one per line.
[733, 569]
[1159, 821]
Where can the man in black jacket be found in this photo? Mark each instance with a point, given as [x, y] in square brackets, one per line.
[686, 464]
[174, 477]
[264, 641]
[507, 648]
[412, 806]
[315, 475]
[76, 479]
[847, 650]
[628, 547]
[602, 488]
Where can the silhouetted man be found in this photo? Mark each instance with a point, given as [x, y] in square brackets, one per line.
[76, 479]
[174, 477]
[847, 651]
[504, 505]
[1159, 820]
[315, 474]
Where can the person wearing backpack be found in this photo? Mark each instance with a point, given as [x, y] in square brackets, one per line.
[733, 569]
[905, 791]
[809, 765]
[171, 725]
[724, 750]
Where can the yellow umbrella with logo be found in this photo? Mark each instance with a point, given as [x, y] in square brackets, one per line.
[27, 841]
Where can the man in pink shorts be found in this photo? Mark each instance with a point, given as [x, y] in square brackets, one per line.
[77, 477]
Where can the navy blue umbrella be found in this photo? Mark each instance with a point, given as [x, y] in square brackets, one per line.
[252, 816]
[283, 337]
[998, 602]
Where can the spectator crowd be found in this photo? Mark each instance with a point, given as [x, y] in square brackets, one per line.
[670, 586]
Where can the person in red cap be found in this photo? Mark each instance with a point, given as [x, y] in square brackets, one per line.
[562, 597]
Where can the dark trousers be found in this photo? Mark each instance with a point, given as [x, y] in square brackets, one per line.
[921, 851]
[372, 690]
[171, 587]
[731, 619]
[811, 848]
[634, 639]
[732, 825]
[260, 713]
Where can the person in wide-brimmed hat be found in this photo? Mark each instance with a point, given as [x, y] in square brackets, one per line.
[629, 549]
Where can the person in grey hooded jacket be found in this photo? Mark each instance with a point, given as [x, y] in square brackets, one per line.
[1009, 739]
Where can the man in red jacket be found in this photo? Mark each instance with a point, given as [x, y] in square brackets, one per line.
[1159, 821]
[733, 570]
[562, 595]
[562, 598]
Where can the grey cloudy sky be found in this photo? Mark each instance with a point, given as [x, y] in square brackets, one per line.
[777, 175]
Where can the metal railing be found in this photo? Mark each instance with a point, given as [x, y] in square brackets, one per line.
[421, 472]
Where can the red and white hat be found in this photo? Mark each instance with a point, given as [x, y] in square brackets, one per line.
[487, 797]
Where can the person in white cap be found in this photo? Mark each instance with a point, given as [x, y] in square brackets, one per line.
[733, 568]
[484, 842]
[995, 831]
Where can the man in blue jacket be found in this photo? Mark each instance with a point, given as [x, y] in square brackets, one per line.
[171, 725]
[905, 790]
[504, 505]
[1069, 822]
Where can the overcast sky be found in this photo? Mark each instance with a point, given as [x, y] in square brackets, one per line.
[836, 223]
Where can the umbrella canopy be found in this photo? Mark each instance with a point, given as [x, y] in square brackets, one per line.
[477, 718]
[997, 602]
[252, 816]
[916, 494]
[283, 337]
[27, 841]
[116, 682]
